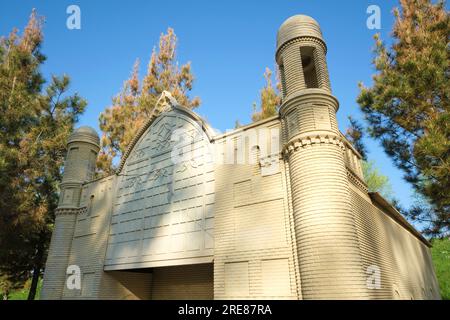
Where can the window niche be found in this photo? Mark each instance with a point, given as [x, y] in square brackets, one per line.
[72, 151]
[309, 68]
[283, 81]
[90, 205]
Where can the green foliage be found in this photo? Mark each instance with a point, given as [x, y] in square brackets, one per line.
[376, 182]
[407, 107]
[6, 286]
[22, 293]
[270, 99]
[135, 103]
[441, 260]
[35, 122]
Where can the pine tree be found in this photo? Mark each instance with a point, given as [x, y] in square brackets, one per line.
[135, 103]
[270, 99]
[34, 127]
[355, 134]
[407, 107]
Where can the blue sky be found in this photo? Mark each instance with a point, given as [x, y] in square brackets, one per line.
[229, 44]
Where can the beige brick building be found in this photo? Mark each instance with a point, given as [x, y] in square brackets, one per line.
[278, 209]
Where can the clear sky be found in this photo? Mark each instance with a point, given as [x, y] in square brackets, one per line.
[228, 42]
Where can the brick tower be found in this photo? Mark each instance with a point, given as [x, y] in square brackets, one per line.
[328, 252]
[83, 147]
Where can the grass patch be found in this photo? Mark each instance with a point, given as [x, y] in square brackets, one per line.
[441, 259]
[22, 294]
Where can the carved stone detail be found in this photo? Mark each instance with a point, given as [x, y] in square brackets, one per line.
[270, 164]
[162, 141]
[356, 180]
[68, 211]
[304, 141]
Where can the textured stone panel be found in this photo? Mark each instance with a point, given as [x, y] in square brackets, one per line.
[236, 279]
[163, 208]
[275, 277]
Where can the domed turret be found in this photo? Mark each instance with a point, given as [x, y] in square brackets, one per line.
[300, 56]
[330, 266]
[83, 146]
[85, 134]
[298, 26]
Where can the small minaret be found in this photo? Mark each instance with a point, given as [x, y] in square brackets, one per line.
[82, 150]
[327, 242]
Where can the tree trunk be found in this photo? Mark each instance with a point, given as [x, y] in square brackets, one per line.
[34, 282]
[36, 270]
